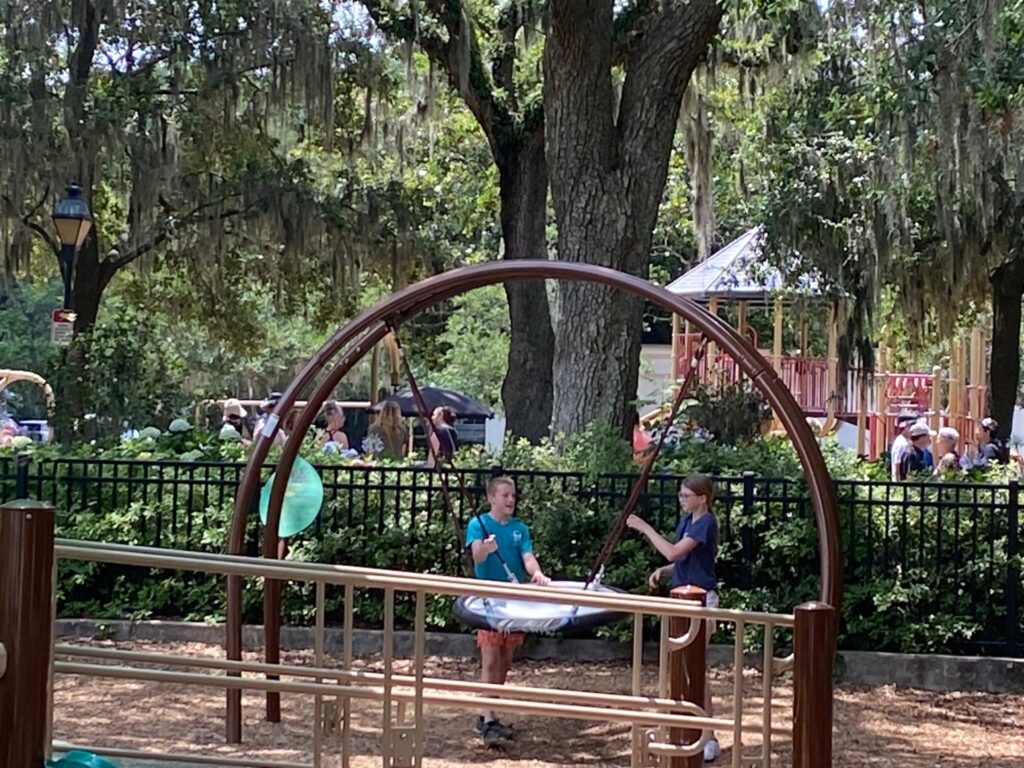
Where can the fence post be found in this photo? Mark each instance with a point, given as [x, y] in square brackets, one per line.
[26, 632]
[21, 464]
[687, 673]
[814, 642]
[1012, 572]
[746, 532]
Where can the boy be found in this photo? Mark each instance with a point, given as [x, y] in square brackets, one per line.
[489, 535]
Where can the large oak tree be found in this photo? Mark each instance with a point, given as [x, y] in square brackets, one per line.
[613, 87]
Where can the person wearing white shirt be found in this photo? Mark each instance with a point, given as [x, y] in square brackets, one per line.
[901, 444]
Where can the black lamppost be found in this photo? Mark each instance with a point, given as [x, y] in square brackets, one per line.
[72, 219]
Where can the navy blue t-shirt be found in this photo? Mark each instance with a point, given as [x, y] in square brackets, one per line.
[698, 567]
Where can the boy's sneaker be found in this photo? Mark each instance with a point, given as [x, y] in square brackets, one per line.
[711, 750]
[492, 731]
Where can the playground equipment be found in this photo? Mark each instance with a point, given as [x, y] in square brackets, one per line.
[668, 730]
[343, 350]
[736, 274]
[10, 376]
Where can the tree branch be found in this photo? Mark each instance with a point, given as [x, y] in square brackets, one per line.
[26, 219]
[472, 82]
[503, 63]
[168, 227]
[658, 69]
[627, 27]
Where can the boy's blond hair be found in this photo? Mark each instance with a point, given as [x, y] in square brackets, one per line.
[494, 482]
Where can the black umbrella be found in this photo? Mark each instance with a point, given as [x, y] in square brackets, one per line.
[462, 406]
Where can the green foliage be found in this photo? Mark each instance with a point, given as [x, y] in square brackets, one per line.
[900, 595]
[119, 373]
[733, 414]
[25, 341]
[477, 337]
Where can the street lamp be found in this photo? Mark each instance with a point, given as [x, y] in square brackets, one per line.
[72, 220]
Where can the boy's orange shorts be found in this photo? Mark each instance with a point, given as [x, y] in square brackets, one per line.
[491, 638]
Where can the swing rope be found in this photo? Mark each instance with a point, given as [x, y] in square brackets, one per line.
[640, 484]
[428, 431]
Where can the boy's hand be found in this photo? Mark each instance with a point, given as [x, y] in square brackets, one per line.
[540, 579]
[490, 545]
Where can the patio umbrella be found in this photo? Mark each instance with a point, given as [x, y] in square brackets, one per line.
[463, 407]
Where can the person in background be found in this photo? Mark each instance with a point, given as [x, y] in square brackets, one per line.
[948, 455]
[266, 408]
[233, 415]
[641, 441]
[990, 450]
[388, 437]
[919, 457]
[445, 438]
[334, 434]
[901, 443]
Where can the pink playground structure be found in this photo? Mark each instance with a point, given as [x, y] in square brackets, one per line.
[736, 275]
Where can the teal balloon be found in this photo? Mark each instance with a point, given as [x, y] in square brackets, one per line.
[303, 497]
[81, 759]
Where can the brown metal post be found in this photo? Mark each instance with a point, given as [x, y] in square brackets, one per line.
[687, 673]
[272, 632]
[814, 642]
[26, 632]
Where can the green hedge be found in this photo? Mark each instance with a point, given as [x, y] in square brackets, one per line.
[768, 556]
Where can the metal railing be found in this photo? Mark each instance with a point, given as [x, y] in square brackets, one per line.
[668, 727]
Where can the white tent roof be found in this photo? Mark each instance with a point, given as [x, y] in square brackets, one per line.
[737, 271]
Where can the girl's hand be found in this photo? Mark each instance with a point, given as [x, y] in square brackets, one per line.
[654, 580]
[637, 523]
[540, 579]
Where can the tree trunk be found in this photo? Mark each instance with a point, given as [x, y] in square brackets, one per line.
[1004, 368]
[89, 281]
[608, 169]
[527, 389]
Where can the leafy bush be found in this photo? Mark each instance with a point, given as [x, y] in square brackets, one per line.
[733, 413]
[912, 552]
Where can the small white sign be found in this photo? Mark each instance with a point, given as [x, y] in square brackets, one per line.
[62, 326]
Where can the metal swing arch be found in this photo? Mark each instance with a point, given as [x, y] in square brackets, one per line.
[358, 337]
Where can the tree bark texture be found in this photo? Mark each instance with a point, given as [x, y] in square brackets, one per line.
[527, 389]
[608, 173]
[1004, 367]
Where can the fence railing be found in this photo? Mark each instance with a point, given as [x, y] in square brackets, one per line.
[916, 550]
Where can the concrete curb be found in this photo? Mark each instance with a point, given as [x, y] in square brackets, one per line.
[930, 672]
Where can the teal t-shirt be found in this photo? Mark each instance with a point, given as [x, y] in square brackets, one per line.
[513, 539]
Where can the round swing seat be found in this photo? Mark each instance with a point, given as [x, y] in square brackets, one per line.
[533, 617]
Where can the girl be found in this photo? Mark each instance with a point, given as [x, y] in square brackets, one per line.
[334, 414]
[445, 437]
[388, 434]
[691, 558]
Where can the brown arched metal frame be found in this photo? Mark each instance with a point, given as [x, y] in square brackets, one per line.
[359, 335]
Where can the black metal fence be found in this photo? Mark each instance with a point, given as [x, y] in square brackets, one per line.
[941, 557]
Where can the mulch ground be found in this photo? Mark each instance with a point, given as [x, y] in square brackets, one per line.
[885, 727]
